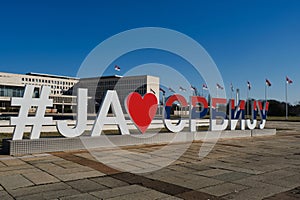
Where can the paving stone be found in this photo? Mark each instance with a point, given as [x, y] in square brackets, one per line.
[38, 189]
[196, 166]
[79, 175]
[293, 194]
[232, 176]
[170, 198]
[213, 172]
[50, 194]
[182, 169]
[13, 162]
[5, 196]
[85, 185]
[146, 195]
[109, 181]
[71, 170]
[196, 195]
[19, 171]
[160, 186]
[198, 182]
[141, 164]
[241, 169]
[40, 178]
[49, 167]
[84, 196]
[287, 182]
[14, 181]
[96, 165]
[124, 166]
[67, 164]
[42, 159]
[119, 191]
[256, 193]
[34, 157]
[109, 159]
[223, 189]
[13, 168]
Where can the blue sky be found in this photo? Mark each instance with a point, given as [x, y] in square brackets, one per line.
[248, 40]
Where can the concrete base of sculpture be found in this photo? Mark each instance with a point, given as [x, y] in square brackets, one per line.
[44, 145]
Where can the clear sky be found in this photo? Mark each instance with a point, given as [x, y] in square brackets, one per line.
[248, 39]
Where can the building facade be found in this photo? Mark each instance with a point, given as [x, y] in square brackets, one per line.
[98, 86]
[13, 85]
[64, 89]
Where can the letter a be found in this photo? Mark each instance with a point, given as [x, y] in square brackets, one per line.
[111, 99]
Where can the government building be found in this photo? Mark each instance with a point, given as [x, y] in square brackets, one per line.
[98, 86]
[64, 89]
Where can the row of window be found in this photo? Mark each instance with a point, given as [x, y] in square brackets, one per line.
[7, 91]
[35, 80]
[52, 86]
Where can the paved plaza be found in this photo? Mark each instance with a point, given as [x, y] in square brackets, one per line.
[252, 168]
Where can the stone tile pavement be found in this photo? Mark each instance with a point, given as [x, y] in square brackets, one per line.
[253, 168]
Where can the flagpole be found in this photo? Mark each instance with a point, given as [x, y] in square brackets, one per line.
[247, 101]
[266, 92]
[286, 100]
[163, 111]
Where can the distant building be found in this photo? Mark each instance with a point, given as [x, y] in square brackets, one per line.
[63, 89]
[13, 85]
[98, 86]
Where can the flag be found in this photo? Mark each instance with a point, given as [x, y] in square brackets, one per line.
[204, 87]
[171, 90]
[117, 68]
[152, 90]
[231, 87]
[219, 86]
[249, 85]
[268, 83]
[182, 89]
[289, 81]
[162, 90]
[193, 88]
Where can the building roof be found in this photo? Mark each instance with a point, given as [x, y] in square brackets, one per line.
[102, 77]
[50, 75]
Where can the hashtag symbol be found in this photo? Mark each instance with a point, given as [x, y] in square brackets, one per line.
[37, 121]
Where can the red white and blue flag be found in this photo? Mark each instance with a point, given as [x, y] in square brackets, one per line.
[117, 68]
[219, 86]
[249, 85]
[268, 83]
[289, 81]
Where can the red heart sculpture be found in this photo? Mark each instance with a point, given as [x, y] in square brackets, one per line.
[141, 109]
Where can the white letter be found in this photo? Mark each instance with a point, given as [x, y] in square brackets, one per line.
[80, 127]
[112, 99]
[214, 126]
